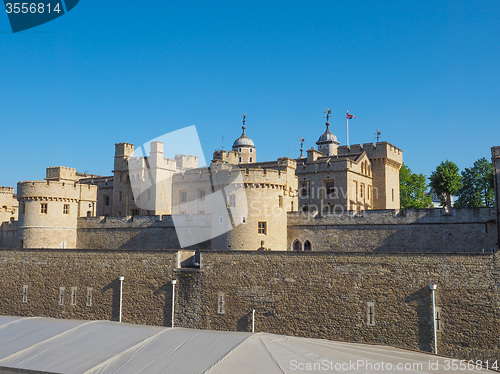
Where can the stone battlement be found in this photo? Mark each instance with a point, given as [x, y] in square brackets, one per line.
[395, 217]
[7, 190]
[56, 189]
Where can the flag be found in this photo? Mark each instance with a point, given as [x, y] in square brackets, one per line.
[350, 116]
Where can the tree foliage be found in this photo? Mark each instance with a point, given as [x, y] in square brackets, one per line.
[413, 189]
[477, 186]
[446, 180]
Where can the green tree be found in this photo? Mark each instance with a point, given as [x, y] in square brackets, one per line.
[477, 186]
[413, 189]
[446, 180]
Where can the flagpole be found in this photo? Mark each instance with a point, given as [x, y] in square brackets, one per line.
[347, 125]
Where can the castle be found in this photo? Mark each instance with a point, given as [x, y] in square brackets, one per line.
[344, 263]
[333, 179]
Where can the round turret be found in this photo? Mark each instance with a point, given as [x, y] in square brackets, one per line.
[328, 143]
[245, 147]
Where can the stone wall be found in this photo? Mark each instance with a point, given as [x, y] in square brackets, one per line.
[424, 230]
[140, 232]
[146, 294]
[311, 294]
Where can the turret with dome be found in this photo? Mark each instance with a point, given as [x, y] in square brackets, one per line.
[244, 147]
[328, 143]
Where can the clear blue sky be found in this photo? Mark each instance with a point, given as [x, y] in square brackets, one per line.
[423, 72]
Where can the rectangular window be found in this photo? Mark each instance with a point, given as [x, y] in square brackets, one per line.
[201, 201]
[25, 293]
[243, 219]
[280, 201]
[304, 189]
[61, 295]
[369, 192]
[362, 190]
[89, 296]
[135, 212]
[23, 209]
[232, 200]
[393, 194]
[439, 321]
[66, 209]
[330, 188]
[73, 295]
[183, 196]
[262, 228]
[106, 200]
[220, 303]
[370, 314]
[43, 208]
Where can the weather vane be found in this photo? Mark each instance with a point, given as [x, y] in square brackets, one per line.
[378, 133]
[328, 112]
[301, 146]
[244, 120]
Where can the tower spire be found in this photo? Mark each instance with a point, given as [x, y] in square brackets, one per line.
[244, 121]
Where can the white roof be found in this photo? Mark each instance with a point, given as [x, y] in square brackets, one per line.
[70, 346]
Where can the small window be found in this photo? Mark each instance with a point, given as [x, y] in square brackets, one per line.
[120, 195]
[89, 296]
[439, 321]
[307, 245]
[66, 209]
[182, 196]
[239, 150]
[370, 313]
[243, 219]
[304, 189]
[73, 295]
[25, 293]
[106, 200]
[220, 303]
[330, 188]
[251, 150]
[61, 295]
[251, 159]
[23, 208]
[239, 160]
[297, 245]
[393, 194]
[43, 208]
[262, 228]
[232, 200]
[135, 212]
[119, 213]
[280, 201]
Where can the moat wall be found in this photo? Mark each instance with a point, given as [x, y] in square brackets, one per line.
[422, 230]
[311, 294]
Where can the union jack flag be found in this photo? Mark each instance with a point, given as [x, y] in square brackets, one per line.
[350, 116]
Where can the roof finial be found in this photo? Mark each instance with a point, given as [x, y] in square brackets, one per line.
[328, 112]
[301, 147]
[244, 120]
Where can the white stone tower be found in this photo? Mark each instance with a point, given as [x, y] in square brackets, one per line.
[244, 147]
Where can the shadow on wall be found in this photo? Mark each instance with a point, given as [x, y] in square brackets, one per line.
[166, 290]
[421, 300]
[114, 287]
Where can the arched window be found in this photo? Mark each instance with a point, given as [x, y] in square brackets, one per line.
[307, 245]
[250, 159]
[297, 245]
